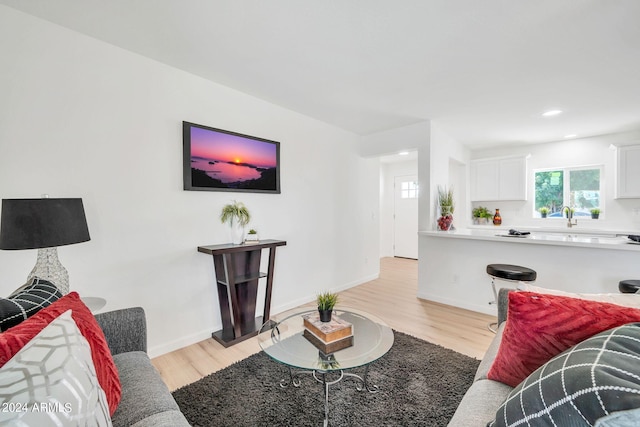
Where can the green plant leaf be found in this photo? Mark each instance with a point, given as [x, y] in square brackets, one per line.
[326, 300]
[445, 198]
[235, 211]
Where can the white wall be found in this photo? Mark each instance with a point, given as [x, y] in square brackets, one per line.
[81, 118]
[443, 164]
[388, 172]
[448, 167]
[616, 214]
[392, 141]
[412, 137]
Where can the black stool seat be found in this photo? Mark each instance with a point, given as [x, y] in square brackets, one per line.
[512, 272]
[629, 286]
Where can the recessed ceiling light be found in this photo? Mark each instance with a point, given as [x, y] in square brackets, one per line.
[403, 153]
[551, 113]
[571, 135]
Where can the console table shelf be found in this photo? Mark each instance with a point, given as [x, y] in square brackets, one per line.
[244, 278]
[237, 270]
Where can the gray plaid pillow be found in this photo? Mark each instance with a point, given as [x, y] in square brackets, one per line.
[591, 380]
[27, 301]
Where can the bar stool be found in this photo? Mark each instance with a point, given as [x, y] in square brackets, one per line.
[509, 273]
[629, 286]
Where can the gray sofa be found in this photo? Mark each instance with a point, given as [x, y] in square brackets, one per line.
[481, 402]
[484, 397]
[146, 400]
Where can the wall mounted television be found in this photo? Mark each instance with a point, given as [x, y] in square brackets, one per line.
[221, 160]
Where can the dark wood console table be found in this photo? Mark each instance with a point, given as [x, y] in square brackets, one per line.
[237, 269]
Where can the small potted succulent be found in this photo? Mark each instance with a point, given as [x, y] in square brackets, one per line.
[595, 213]
[252, 236]
[565, 212]
[326, 301]
[544, 211]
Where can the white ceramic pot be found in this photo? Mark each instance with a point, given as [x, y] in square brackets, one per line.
[237, 233]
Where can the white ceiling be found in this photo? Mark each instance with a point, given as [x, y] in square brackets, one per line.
[483, 70]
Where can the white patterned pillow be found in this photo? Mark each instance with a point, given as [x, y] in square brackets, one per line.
[52, 381]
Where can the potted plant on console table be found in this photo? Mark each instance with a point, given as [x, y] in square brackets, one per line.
[252, 237]
[237, 216]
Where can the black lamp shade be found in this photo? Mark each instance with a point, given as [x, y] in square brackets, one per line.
[42, 223]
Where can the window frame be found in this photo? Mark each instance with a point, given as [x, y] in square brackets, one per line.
[566, 187]
[411, 192]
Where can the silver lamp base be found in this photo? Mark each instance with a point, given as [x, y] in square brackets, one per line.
[48, 267]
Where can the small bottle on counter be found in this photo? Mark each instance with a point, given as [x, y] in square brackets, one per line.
[497, 219]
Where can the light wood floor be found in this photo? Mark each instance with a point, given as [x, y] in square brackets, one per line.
[392, 298]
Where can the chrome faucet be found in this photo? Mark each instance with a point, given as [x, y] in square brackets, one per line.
[569, 216]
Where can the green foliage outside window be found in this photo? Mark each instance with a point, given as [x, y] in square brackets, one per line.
[585, 189]
[583, 192]
[549, 190]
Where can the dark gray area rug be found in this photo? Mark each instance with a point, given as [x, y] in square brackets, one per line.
[420, 384]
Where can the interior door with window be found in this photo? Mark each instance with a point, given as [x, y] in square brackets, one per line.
[405, 217]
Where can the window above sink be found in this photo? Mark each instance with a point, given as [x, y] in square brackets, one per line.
[581, 188]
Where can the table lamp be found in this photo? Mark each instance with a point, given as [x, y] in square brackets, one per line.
[44, 224]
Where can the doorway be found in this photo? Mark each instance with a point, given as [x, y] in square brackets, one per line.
[405, 216]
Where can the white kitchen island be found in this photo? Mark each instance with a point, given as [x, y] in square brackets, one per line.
[452, 265]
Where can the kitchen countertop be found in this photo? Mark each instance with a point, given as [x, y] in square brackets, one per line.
[595, 239]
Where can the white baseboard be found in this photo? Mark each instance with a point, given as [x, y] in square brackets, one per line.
[185, 341]
[480, 308]
[196, 337]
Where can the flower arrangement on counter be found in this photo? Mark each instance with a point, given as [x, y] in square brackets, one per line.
[446, 206]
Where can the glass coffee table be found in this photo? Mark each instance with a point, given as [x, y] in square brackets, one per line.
[282, 339]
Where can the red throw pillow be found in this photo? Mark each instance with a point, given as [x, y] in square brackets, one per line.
[12, 340]
[541, 326]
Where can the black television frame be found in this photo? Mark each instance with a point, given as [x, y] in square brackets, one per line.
[187, 169]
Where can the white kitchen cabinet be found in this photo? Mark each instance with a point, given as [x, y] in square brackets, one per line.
[499, 179]
[628, 172]
[485, 176]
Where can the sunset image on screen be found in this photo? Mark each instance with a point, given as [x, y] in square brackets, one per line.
[224, 160]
